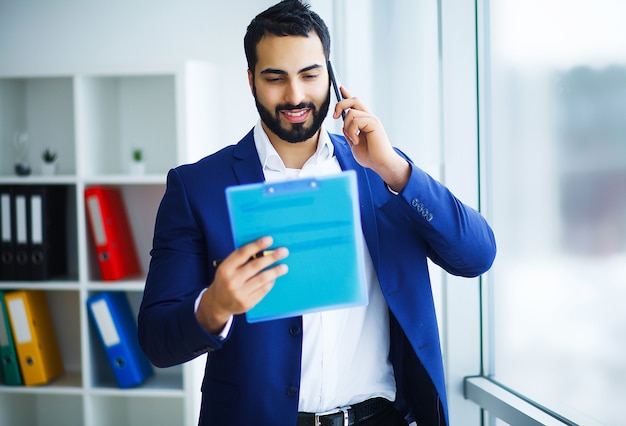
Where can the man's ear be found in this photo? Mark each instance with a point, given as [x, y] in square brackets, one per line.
[251, 81]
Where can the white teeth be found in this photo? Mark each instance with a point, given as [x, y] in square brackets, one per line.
[295, 114]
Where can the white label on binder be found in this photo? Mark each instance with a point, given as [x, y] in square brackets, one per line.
[4, 337]
[93, 204]
[36, 217]
[6, 217]
[105, 323]
[20, 321]
[20, 213]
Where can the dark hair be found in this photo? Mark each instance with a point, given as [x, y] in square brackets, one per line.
[287, 18]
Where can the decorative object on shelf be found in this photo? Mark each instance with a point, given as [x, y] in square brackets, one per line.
[20, 143]
[49, 162]
[138, 165]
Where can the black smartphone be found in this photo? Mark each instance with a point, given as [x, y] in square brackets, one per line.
[335, 86]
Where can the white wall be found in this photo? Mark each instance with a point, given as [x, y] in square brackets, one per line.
[74, 35]
[68, 36]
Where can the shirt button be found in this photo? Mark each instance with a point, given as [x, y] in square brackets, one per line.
[292, 391]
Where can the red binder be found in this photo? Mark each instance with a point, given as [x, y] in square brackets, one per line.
[111, 233]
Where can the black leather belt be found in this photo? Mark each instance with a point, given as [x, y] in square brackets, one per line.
[345, 416]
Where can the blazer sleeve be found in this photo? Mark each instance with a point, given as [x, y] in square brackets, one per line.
[459, 238]
[169, 333]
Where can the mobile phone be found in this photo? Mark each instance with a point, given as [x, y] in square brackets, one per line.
[335, 86]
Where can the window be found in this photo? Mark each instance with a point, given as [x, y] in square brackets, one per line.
[553, 126]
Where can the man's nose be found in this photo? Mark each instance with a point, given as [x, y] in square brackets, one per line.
[294, 94]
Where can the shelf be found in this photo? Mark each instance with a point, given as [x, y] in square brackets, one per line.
[40, 111]
[115, 410]
[37, 179]
[42, 409]
[40, 285]
[123, 285]
[123, 113]
[94, 121]
[69, 383]
[163, 384]
[148, 179]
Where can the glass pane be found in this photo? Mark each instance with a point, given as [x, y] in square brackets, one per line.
[556, 149]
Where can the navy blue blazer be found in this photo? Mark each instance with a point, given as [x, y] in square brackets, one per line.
[253, 376]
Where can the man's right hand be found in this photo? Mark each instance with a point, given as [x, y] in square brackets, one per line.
[240, 283]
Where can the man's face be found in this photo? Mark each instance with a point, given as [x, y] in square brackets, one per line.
[291, 86]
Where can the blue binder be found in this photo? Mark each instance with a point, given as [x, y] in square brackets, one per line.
[117, 328]
[318, 220]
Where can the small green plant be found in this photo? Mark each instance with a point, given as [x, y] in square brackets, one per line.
[137, 155]
[49, 156]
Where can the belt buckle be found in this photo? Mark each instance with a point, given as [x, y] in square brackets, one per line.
[343, 410]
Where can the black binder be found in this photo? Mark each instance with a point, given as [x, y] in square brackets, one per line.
[35, 248]
[22, 228]
[7, 234]
[47, 220]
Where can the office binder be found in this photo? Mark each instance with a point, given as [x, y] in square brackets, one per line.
[22, 230]
[47, 233]
[111, 233]
[318, 220]
[7, 234]
[117, 329]
[33, 230]
[9, 368]
[34, 335]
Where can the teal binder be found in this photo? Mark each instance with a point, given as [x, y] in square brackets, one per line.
[318, 220]
[10, 367]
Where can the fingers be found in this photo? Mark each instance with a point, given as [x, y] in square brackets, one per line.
[349, 103]
[243, 278]
[242, 255]
[358, 117]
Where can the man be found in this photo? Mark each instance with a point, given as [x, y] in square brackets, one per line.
[383, 360]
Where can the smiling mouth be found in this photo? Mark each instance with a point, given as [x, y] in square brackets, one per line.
[296, 115]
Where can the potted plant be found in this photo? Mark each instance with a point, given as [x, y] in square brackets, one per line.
[49, 164]
[137, 165]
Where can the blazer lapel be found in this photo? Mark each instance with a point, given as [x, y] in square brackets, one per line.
[246, 164]
[368, 216]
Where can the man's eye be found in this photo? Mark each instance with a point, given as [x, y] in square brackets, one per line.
[274, 79]
[311, 76]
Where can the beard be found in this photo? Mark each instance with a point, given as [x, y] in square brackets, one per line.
[296, 132]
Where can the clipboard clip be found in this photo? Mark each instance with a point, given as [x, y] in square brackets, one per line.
[289, 186]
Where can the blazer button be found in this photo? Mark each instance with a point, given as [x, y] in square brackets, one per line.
[292, 391]
[295, 330]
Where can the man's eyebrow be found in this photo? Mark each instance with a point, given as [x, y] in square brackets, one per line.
[273, 71]
[283, 72]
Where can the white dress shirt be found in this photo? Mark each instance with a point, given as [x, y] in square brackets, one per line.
[345, 353]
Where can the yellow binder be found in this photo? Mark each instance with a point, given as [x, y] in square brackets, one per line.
[35, 340]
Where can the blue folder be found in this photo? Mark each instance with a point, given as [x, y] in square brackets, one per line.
[318, 220]
[117, 329]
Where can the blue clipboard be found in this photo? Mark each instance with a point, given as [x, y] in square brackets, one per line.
[318, 220]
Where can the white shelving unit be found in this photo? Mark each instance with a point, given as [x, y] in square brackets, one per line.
[94, 121]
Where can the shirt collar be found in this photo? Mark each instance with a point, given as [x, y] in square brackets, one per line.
[270, 160]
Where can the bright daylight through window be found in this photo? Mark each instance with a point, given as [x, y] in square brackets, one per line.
[554, 97]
